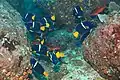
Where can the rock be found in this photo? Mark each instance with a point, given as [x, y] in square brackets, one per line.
[101, 48]
[102, 17]
[114, 6]
[12, 30]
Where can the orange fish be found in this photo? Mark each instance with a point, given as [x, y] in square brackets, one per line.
[54, 48]
[99, 9]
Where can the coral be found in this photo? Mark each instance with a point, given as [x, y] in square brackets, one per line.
[101, 48]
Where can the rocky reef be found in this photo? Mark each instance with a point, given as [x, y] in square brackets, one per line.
[101, 48]
[97, 59]
[14, 52]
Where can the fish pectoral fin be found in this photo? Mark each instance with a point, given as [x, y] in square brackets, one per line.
[45, 74]
[62, 54]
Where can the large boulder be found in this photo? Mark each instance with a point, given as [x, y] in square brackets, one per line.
[102, 48]
[14, 54]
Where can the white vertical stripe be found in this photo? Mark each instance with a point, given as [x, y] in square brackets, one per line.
[45, 19]
[50, 57]
[35, 64]
[39, 47]
[83, 25]
[26, 15]
[76, 10]
[33, 24]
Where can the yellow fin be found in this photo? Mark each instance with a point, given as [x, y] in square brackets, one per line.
[34, 52]
[42, 28]
[62, 54]
[81, 0]
[46, 74]
[76, 34]
[58, 54]
[42, 42]
[53, 17]
[81, 8]
[47, 25]
[31, 27]
[33, 17]
[47, 53]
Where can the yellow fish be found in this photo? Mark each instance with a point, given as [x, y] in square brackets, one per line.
[42, 28]
[76, 34]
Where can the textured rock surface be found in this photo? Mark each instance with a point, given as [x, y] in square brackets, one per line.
[101, 49]
[75, 68]
[17, 4]
[12, 28]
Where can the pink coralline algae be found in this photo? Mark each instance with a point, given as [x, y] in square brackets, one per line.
[102, 49]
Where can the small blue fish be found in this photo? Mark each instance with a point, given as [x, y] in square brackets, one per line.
[89, 24]
[83, 26]
[53, 58]
[78, 12]
[83, 29]
[29, 26]
[29, 17]
[84, 36]
[36, 67]
[40, 49]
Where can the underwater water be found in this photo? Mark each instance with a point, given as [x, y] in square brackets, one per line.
[59, 40]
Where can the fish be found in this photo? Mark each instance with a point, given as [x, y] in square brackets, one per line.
[99, 9]
[83, 27]
[29, 17]
[78, 11]
[39, 49]
[34, 36]
[82, 30]
[44, 22]
[55, 56]
[54, 48]
[38, 41]
[84, 35]
[32, 25]
[37, 67]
